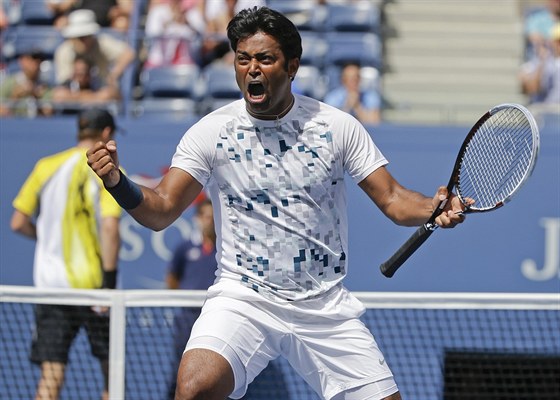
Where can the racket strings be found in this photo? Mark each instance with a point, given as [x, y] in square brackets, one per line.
[496, 159]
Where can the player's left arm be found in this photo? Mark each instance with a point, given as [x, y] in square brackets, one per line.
[406, 207]
[110, 243]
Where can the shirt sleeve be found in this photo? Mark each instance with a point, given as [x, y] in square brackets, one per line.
[360, 154]
[195, 152]
[27, 200]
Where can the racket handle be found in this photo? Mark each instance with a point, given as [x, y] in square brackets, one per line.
[389, 267]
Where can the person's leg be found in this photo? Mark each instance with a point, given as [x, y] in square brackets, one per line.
[50, 383]
[205, 375]
[104, 364]
[97, 329]
[54, 333]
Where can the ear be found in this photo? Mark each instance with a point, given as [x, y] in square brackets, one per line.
[293, 66]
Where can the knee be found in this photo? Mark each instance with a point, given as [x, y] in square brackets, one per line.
[188, 389]
[203, 379]
[195, 389]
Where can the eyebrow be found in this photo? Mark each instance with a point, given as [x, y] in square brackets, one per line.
[257, 55]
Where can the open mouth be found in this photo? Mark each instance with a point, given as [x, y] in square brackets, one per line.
[255, 91]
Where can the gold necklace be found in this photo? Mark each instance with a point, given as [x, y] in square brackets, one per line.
[272, 116]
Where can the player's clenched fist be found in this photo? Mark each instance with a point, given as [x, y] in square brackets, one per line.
[104, 161]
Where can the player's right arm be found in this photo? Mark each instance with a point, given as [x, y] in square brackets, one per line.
[23, 224]
[159, 206]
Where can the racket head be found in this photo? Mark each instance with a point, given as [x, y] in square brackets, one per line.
[497, 157]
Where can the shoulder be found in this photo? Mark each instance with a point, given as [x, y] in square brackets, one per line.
[220, 117]
[110, 43]
[65, 49]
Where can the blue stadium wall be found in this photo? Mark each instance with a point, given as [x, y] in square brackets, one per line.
[515, 249]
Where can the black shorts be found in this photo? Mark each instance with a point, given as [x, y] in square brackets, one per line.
[56, 327]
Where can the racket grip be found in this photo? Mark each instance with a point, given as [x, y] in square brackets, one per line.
[389, 267]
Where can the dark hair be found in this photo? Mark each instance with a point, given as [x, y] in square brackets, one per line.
[91, 123]
[252, 20]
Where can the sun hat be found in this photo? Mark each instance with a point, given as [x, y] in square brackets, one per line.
[81, 23]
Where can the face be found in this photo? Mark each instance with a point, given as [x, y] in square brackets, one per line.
[81, 73]
[31, 66]
[83, 44]
[205, 219]
[351, 77]
[260, 70]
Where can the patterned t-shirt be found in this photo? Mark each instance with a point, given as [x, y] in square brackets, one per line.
[278, 193]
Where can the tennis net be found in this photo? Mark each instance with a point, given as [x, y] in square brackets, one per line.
[438, 345]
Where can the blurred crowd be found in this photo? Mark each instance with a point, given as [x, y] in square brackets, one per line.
[74, 54]
[540, 72]
[103, 52]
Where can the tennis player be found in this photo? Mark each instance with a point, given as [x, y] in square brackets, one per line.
[273, 163]
[75, 222]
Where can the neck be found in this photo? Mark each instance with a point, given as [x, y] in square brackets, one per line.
[85, 143]
[273, 116]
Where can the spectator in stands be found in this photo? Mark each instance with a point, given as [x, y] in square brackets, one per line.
[365, 105]
[24, 93]
[60, 10]
[82, 35]
[64, 207]
[274, 164]
[538, 26]
[217, 14]
[4, 20]
[193, 267]
[215, 44]
[172, 39]
[540, 77]
[113, 14]
[83, 88]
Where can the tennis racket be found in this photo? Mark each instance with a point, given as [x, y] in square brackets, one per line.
[495, 160]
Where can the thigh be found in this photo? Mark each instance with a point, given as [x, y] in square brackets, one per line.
[204, 374]
[243, 333]
[55, 329]
[334, 356]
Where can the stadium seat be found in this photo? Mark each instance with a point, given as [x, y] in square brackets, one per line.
[23, 38]
[220, 87]
[167, 109]
[314, 49]
[171, 81]
[36, 12]
[361, 48]
[220, 82]
[305, 14]
[310, 82]
[356, 17]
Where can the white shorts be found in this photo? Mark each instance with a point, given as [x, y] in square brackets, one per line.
[333, 351]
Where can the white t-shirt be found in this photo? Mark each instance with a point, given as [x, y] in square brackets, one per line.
[278, 193]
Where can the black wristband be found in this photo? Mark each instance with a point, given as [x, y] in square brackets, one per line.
[127, 193]
[109, 280]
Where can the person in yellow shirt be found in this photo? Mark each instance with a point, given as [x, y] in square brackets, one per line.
[75, 222]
